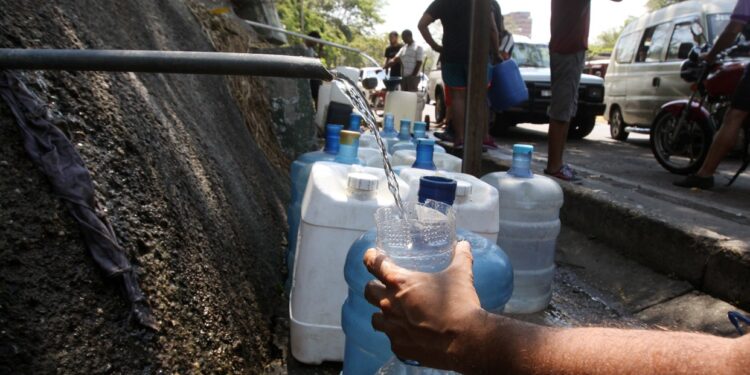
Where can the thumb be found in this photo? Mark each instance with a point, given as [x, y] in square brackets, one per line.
[462, 258]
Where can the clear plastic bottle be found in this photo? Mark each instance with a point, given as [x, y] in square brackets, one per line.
[529, 225]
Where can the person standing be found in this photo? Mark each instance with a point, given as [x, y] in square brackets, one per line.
[455, 15]
[569, 28]
[737, 114]
[411, 57]
[390, 52]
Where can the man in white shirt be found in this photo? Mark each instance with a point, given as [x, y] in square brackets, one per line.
[411, 57]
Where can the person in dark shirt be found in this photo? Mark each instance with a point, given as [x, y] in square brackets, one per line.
[391, 51]
[455, 15]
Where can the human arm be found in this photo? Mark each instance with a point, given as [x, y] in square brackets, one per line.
[436, 319]
[726, 39]
[424, 29]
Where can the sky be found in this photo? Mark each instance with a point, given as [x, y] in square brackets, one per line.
[404, 14]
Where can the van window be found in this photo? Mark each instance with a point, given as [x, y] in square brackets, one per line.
[681, 34]
[653, 44]
[626, 48]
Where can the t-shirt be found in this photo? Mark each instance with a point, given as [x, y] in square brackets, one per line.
[742, 11]
[410, 54]
[570, 26]
[391, 52]
[455, 15]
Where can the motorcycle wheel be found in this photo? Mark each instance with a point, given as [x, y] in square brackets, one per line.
[686, 154]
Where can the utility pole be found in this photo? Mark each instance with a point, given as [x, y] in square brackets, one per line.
[477, 111]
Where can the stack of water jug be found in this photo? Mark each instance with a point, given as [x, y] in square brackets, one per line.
[336, 193]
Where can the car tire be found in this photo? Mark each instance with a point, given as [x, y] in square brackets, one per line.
[617, 125]
[581, 127]
[439, 105]
[500, 126]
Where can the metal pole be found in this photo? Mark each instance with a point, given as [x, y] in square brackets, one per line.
[477, 114]
[305, 37]
[165, 62]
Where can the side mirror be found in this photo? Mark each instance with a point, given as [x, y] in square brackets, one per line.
[697, 29]
[684, 51]
[370, 83]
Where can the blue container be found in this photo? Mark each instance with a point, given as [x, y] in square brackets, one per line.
[508, 88]
[425, 156]
[367, 350]
[404, 133]
[389, 127]
[420, 130]
[355, 122]
[300, 173]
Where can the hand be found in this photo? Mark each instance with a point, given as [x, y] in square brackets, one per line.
[429, 318]
[437, 48]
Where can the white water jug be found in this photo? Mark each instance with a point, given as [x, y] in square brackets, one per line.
[338, 207]
[477, 203]
[529, 224]
[403, 105]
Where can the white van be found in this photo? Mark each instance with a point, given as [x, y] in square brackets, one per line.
[644, 71]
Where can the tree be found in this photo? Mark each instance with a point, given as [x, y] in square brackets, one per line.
[658, 4]
[347, 22]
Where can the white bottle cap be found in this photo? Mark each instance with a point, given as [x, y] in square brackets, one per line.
[463, 189]
[362, 182]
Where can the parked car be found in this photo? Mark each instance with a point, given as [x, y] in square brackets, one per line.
[534, 63]
[644, 71]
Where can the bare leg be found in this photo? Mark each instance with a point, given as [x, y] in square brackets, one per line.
[459, 114]
[557, 135]
[724, 141]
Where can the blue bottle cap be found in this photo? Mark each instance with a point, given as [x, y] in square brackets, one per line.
[355, 121]
[333, 138]
[439, 189]
[523, 149]
[425, 154]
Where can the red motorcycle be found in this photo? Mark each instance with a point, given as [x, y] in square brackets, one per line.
[682, 132]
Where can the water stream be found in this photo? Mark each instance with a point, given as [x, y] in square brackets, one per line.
[360, 103]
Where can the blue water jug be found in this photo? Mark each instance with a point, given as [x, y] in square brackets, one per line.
[508, 88]
[355, 122]
[389, 133]
[367, 350]
[404, 133]
[300, 173]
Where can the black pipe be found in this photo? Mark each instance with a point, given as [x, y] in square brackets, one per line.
[164, 62]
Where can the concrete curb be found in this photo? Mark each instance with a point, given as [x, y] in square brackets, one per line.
[713, 263]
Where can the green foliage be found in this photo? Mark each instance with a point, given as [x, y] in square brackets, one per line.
[605, 42]
[658, 4]
[348, 22]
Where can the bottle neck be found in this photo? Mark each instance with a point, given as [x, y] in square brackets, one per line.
[348, 154]
[425, 157]
[404, 134]
[332, 144]
[388, 126]
[521, 165]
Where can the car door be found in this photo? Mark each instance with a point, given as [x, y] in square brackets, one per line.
[646, 74]
[673, 87]
[618, 74]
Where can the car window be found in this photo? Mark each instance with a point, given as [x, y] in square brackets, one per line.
[681, 35]
[626, 48]
[530, 55]
[653, 43]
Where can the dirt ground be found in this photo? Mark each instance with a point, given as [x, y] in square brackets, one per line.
[192, 196]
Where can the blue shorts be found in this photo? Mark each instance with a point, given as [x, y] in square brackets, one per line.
[456, 76]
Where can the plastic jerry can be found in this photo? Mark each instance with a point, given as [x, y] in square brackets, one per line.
[366, 349]
[402, 104]
[300, 173]
[508, 88]
[529, 224]
[339, 206]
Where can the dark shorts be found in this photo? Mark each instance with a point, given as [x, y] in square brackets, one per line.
[741, 98]
[456, 76]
